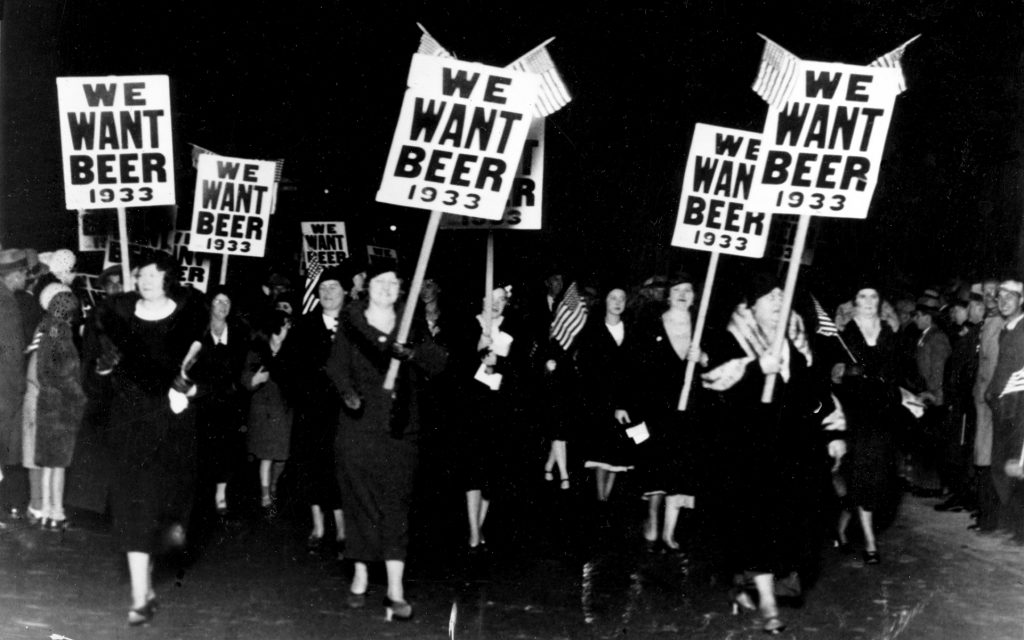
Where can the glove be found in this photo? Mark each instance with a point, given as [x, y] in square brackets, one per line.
[107, 360]
[400, 351]
[178, 400]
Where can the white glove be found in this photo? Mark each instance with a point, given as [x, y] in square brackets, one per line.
[179, 401]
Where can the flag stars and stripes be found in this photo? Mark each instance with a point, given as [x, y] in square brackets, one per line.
[310, 300]
[570, 316]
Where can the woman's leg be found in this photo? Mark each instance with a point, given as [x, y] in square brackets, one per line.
[651, 524]
[475, 512]
[360, 579]
[265, 465]
[46, 484]
[140, 570]
[549, 464]
[609, 483]
[35, 487]
[765, 583]
[844, 521]
[867, 526]
[276, 469]
[600, 476]
[395, 570]
[57, 494]
[220, 498]
[668, 532]
[318, 521]
[339, 525]
[558, 448]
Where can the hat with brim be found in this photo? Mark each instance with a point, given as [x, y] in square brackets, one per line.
[1013, 286]
[12, 260]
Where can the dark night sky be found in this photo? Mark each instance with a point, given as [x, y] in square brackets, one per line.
[321, 87]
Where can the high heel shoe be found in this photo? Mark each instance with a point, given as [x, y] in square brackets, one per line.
[143, 615]
[549, 476]
[740, 601]
[355, 600]
[564, 484]
[774, 625]
[397, 610]
[872, 557]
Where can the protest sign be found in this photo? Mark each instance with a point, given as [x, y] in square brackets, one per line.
[193, 270]
[95, 228]
[459, 137]
[231, 214]
[374, 253]
[139, 248]
[525, 203]
[325, 241]
[713, 210]
[822, 148]
[116, 141]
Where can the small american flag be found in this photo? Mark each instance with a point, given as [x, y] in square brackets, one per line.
[570, 316]
[777, 76]
[431, 47]
[826, 326]
[196, 152]
[310, 300]
[553, 94]
[1015, 384]
[894, 59]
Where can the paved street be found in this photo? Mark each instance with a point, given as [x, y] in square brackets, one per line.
[557, 577]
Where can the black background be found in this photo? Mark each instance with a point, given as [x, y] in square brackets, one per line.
[321, 86]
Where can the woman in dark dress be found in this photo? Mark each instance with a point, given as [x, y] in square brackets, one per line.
[671, 468]
[317, 405]
[149, 339]
[608, 364]
[220, 403]
[865, 385]
[377, 447]
[772, 469]
[269, 375]
[490, 408]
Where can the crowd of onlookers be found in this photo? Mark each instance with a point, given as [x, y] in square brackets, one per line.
[779, 433]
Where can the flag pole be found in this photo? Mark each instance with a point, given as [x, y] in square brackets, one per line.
[414, 293]
[698, 331]
[224, 269]
[122, 230]
[536, 49]
[489, 283]
[803, 224]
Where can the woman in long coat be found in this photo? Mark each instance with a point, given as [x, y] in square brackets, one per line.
[774, 469]
[671, 462]
[268, 374]
[220, 405]
[866, 385]
[490, 407]
[60, 404]
[149, 339]
[377, 447]
[608, 362]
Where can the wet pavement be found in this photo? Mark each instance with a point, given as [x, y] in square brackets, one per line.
[555, 567]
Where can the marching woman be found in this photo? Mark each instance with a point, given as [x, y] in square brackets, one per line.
[608, 365]
[270, 376]
[865, 384]
[671, 468]
[492, 382]
[774, 466]
[377, 447]
[55, 373]
[317, 405]
[149, 339]
[220, 405]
